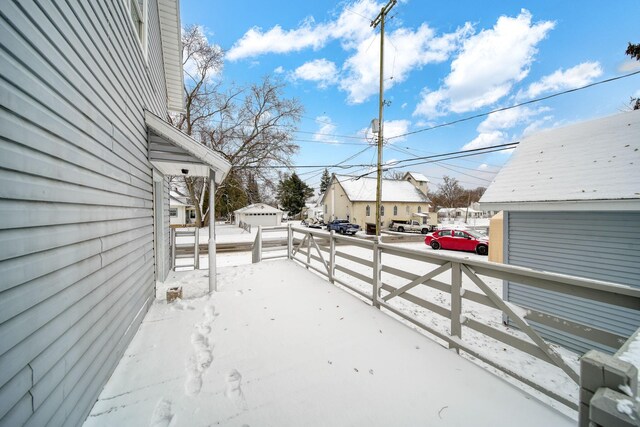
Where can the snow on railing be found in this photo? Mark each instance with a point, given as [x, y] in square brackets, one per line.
[363, 275]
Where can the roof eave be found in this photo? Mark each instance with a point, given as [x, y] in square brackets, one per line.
[565, 205]
[171, 37]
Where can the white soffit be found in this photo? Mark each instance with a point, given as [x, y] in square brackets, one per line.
[171, 35]
[190, 154]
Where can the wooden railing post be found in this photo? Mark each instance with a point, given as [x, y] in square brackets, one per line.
[172, 232]
[377, 274]
[289, 241]
[309, 237]
[456, 300]
[332, 256]
[196, 249]
[257, 247]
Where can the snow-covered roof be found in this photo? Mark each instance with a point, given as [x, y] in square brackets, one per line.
[590, 165]
[364, 190]
[178, 199]
[416, 176]
[257, 208]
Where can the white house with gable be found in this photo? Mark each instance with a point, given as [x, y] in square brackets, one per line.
[571, 202]
[354, 198]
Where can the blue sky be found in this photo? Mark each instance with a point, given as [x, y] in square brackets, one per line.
[443, 61]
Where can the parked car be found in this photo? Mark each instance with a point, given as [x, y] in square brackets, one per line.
[410, 226]
[313, 223]
[343, 226]
[458, 240]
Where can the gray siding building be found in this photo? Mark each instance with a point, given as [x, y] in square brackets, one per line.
[571, 202]
[84, 88]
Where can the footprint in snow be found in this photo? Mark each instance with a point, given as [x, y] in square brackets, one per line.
[234, 388]
[162, 415]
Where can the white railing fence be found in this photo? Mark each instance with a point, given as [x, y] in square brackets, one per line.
[370, 277]
[189, 250]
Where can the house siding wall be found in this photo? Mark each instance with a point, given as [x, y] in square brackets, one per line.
[76, 201]
[597, 245]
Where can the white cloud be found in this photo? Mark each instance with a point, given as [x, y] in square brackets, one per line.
[483, 166]
[580, 75]
[349, 27]
[407, 50]
[487, 67]
[404, 105]
[279, 70]
[195, 64]
[492, 130]
[325, 130]
[486, 139]
[392, 128]
[509, 118]
[319, 70]
[629, 66]
[255, 42]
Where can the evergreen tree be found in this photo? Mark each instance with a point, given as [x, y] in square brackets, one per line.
[292, 194]
[230, 197]
[324, 181]
[253, 191]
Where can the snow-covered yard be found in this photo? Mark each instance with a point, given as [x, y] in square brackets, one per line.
[278, 345]
[530, 367]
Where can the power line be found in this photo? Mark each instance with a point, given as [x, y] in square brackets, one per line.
[532, 101]
[430, 159]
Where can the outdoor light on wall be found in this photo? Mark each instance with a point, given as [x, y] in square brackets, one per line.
[185, 171]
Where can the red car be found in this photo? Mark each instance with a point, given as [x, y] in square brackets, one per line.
[459, 240]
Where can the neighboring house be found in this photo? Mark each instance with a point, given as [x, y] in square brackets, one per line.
[180, 211]
[313, 207]
[571, 202]
[259, 214]
[86, 151]
[353, 198]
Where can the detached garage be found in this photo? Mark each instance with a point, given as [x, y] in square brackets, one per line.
[259, 214]
[571, 202]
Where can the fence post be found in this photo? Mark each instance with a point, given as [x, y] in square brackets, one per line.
[456, 300]
[332, 256]
[377, 273]
[257, 247]
[309, 249]
[172, 237]
[289, 241]
[196, 249]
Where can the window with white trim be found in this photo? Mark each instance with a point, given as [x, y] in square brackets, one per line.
[138, 13]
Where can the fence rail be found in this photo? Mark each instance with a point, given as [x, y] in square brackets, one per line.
[316, 250]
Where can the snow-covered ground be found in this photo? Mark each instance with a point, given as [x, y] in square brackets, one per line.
[528, 366]
[279, 346]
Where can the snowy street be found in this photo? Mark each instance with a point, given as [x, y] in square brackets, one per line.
[278, 345]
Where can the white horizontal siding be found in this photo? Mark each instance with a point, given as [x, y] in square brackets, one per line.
[76, 236]
[597, 245]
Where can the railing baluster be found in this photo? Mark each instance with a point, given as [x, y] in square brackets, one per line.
[456, 301]
[377, 274]
[332, 256]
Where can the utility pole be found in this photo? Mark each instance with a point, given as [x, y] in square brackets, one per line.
[380, 20]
